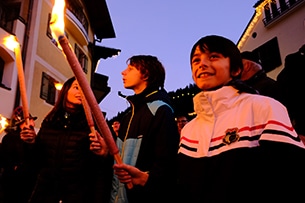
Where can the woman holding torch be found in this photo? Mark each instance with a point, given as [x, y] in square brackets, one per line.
[69, 171]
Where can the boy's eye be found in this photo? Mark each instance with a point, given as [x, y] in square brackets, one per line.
[215, 55]
[195, 60]
[129, 68]
[212, 56]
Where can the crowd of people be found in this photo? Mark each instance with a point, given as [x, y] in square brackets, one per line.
[243, 145]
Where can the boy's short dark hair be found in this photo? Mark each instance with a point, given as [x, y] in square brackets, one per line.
[224, 46]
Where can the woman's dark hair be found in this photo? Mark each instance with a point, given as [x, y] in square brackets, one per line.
[224, 46]
[151, 68]
[62, 98]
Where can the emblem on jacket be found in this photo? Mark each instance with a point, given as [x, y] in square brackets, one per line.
[231, 136]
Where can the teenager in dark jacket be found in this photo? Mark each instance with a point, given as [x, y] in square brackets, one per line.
[70, 172]
[148, 137]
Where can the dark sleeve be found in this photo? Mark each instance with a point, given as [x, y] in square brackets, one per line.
[282, 169]
[100, 178]
[166, 143]
[161, 164]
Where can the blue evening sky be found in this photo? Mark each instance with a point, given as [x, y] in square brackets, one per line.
[167, 29]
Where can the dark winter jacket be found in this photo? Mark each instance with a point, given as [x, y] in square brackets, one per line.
[149, 138]
[265, 85]
[292, 86]
[19, 171]
[69, 170]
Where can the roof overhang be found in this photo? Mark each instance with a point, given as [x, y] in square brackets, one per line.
[99, 18]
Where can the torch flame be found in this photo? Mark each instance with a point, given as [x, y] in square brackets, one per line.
[11, 42]
[57, 24]
[3, 123]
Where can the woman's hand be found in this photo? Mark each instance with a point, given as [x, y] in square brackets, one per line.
[130, 174]
[98, 144]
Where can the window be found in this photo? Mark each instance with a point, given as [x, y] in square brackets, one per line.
[77, 9]
[291, 2]
[5, 74]
[47, 89]
[9, 12]
[49, 32]
[82, 58]
[283, 5]
[274, 9]
[267, 13]
[1, 69]
[269, 55]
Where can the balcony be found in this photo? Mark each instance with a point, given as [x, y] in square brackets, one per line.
[271, 17]
[9, 12]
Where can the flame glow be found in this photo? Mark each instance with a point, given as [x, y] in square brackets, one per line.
[11, 42]
[58, 85]
[57, 24]
[3, 123]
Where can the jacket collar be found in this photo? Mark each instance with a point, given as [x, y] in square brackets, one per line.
[216, 101]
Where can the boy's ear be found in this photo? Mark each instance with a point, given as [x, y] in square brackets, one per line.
[145, 77]
[236, 73]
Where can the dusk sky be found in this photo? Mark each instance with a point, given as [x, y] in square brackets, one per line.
[166, 29]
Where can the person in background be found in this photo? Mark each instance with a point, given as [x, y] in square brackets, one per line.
[181, 120]
[70, 172]
[148, 137]
[254, 75]
[241, 146]
[116, 126]
[19, 172]
[290, 80]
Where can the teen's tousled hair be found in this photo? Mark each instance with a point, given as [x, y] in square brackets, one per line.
[224, 46]
[150, 67]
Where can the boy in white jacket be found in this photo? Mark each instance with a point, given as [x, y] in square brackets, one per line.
[241, 147]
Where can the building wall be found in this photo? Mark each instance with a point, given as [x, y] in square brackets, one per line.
[41, 56]
[288, 28]
[7, 96]
[10, 77]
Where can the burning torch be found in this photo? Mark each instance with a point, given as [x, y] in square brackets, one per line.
[57, 27]
[12, 43]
